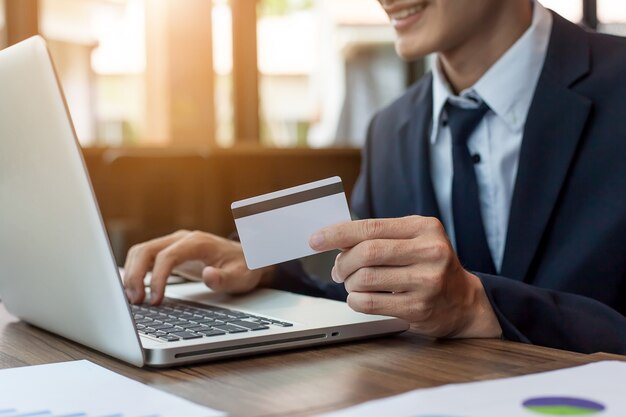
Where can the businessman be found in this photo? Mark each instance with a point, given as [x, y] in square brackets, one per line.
[493, 192]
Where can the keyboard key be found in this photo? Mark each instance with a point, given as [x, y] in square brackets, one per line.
[185, 335]
[249, 325]
[188, 325]
[229, 319]
[230, 329]
[211, 332]
[203, 321]
[161, 326]
[197, 328]
[169, 338]
[178, 322]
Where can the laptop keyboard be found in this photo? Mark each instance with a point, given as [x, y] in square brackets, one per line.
[175, 320]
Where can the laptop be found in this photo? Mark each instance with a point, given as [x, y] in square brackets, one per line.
[57, 270]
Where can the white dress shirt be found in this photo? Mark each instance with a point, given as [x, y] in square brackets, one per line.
[507, 88]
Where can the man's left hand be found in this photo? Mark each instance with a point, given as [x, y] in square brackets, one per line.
[407, 268]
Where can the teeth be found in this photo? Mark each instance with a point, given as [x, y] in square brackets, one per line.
[403, 14]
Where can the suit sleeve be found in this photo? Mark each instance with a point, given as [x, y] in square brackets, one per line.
[291, 276]
[555, 319]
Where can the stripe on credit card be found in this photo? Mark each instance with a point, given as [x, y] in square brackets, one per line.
[287, 200]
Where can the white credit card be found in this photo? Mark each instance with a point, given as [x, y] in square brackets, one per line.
[276, 227]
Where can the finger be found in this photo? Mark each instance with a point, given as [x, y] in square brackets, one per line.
[347, 235]
[220, 280]
[385, 279]
[134, 274]
[140, 260]
[333, 271]
[404, 306]
[129, 271]
[384, 304]
[373, 253]
[190, 248]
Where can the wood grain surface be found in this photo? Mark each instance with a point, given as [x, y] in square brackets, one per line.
[309, 381]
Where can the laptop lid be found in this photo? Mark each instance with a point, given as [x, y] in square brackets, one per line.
[57, 270]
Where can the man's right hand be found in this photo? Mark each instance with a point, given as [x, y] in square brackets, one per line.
[226, 269]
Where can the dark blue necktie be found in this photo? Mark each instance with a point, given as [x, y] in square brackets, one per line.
[471, 242]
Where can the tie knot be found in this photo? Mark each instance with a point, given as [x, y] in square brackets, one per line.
[463, 122]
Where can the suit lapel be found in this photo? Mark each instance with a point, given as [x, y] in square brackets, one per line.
[555, 123]
[414, 151]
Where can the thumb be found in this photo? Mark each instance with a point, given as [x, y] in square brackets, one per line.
[228, 281]
[214, 278]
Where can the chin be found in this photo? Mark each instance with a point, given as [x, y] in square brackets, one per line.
[412, 49]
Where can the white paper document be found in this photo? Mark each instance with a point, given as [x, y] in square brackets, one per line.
[83, 389]
[598, 389]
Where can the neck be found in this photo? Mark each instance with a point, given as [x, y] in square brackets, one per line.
[465, 64]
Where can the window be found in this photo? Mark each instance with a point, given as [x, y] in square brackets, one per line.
[99, 51]
[3, 28]
[282, 73]
[570, 9]
[325, 66]
[135, 72]
[612, 16]
[223, 68]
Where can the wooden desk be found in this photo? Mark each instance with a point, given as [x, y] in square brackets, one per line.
[305, 382]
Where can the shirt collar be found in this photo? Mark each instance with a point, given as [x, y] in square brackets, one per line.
[509, 85]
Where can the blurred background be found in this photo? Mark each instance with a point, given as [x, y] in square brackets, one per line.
[183, 106]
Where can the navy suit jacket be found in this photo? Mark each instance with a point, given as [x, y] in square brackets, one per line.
[563, 278]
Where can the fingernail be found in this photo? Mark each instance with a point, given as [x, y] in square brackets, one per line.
[317, 240]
